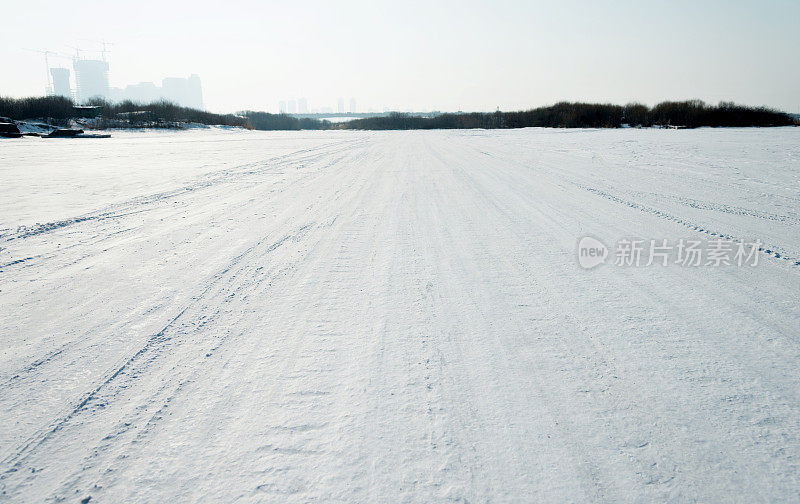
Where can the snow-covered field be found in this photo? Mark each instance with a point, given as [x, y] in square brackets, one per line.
[223, 316]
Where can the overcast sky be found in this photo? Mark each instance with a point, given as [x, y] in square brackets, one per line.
[427, 55]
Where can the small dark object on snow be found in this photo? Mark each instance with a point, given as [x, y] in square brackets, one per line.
[93, 135]
[64, 133]
[74, 133]
[9, 130]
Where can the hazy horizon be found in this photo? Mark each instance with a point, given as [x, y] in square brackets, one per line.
[449, 56]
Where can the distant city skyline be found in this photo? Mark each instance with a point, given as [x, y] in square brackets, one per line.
[448, 56]
[91, 80]
[302, 105]
[187, 92]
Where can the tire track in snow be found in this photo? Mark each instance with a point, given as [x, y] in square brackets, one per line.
[562, 426]
[13, 461]
[651, 459]
[727, 209]
[35, 364]
[772, 251]
[314, 154]
[646, 455]
[228, 175]
[145, 423]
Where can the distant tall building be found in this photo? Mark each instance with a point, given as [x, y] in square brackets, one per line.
[116, 94]
[302, 106]
[91, 79]
[282, 107]
[144, 92]
[195, 95]
[352, 105]
[174, 89]
[61, 82]
[184, 92]
[340, 106]
[292, 107]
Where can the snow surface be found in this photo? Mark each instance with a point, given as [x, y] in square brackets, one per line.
[234, 316]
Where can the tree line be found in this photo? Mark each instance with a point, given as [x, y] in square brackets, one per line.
[688, 114]
[163, 111]
[56, 108]
[59, 110]
[272, 122]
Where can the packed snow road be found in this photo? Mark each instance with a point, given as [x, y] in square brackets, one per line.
[397, 317]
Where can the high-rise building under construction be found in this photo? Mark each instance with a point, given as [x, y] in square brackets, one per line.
[61, 85]
[91, 79]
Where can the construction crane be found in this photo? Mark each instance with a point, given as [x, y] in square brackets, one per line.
[47, 55]
[105, 50]
[77, 51]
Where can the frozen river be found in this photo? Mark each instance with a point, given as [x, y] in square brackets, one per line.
[231, 316]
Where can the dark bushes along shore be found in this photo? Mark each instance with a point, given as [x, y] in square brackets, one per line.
[688, 114]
